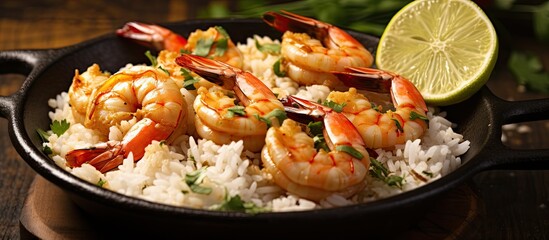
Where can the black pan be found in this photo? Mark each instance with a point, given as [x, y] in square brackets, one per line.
[50, 71]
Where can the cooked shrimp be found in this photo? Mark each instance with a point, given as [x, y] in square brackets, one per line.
[214, 43]
[290, 156]
[81, 89]
[166, 61]
[381, 129]
[219, 115]
[142, 92]
[312, 49]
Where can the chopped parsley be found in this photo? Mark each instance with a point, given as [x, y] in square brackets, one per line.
[338, 107]
[271, 48]
[101, 182]
[415, 115]
[429, 174]
[59, 127]
[350, 150]
[221, 44]
[276, 69]
[194, 179]
[235, 110]
[203, 47]
[188, 79]
[377, 170]
[235, 204]
[279, 114]
[397, 123]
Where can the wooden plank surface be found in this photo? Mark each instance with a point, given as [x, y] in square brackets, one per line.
[515, 201]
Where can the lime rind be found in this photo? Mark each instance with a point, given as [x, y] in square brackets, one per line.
[444, 48]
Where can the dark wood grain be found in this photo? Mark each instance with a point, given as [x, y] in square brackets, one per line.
[512, 204]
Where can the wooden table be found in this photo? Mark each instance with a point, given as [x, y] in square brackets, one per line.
[513, 204]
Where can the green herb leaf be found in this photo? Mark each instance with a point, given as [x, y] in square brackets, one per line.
[276, 69]
[43, 134]
[279, 114]
[200, 189]
[151, 58]
[320, 143]
[315, 128]
[101, 182]
[271, 48]
[193, 180]
[203, 47]
[59, 127]
[194, 177]
[164, 70]
[221, 46]
[223, 32]
[338, 107]
[235, 204]
[415, 115]
[394, 180]
[429, 174]
[235, 110]
[397, 123]
[528, 70]
[377, 170]
[350, 150]
[47, 150]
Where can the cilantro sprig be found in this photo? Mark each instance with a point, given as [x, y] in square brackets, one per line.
[188, 79]
[377, 170]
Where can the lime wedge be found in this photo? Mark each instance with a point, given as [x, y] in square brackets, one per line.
[447, 48]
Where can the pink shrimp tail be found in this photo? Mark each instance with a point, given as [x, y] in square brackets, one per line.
[107, 156]
[287, 21]
[403, 92]
[154, 36]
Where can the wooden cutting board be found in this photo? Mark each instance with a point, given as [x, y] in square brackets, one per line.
[48, 213]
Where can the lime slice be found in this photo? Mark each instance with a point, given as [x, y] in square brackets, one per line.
[447, 48]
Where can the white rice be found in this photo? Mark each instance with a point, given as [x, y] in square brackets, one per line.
[229, 170]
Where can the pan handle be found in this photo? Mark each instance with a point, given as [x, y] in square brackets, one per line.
[25, 62]
[516, 112]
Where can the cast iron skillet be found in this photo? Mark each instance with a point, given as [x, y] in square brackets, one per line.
[50, 72]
